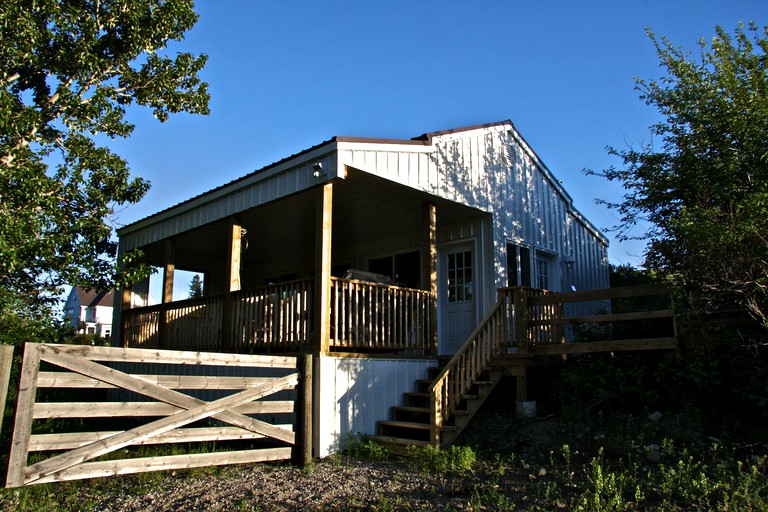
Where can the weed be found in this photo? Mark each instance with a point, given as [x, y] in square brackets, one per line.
[360, 447]
[454, 460]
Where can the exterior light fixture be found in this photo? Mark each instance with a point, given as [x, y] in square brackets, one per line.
[317, 170]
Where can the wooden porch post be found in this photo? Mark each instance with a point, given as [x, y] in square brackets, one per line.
[168, 269]
[170, 266]
[323, 235]
[429, 216]
[227, 329]
[234, 254]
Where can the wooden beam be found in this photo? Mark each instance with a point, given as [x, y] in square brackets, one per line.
[323, 246]
[129, 466]
[429, 244]
[236, 235]
[609, 293]
[22, 430]
[589, 347]
[616, 317]
[168, 270]
[6, 358]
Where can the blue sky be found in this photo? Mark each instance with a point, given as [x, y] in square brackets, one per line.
[286, 75]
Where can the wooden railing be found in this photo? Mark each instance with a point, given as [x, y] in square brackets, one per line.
[274, 318]
[626, 318]
[461, 372]
[262, 320]
[375, 317]
[527, 321]
[193, 324]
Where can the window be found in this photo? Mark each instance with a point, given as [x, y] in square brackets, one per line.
[546, 268]
[403, 268]
[460, 285]
[542, 274]
[518, 265]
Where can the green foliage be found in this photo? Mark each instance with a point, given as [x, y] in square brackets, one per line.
[454, 460]
[70, 71]
[703, 189]
[360, 446]
[605, 489]
[196, 287]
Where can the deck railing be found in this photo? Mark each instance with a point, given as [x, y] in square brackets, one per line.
[376, 317]
[193, 324]
[529, 321]
[274, 318]
[365, 317]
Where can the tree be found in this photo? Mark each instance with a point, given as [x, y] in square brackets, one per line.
[69, 70]
[196, 287]
[704, 189]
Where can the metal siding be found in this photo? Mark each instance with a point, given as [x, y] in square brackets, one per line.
[266, 188]
[355, 393]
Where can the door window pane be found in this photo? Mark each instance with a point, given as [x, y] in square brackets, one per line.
[460, 285]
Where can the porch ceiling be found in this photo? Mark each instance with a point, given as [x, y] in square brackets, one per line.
[364, 207]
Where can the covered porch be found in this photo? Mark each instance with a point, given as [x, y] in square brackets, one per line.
[274, 274]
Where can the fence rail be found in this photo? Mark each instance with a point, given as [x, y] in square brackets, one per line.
[164, 414]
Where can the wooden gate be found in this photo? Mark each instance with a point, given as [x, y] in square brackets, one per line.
[150, 410]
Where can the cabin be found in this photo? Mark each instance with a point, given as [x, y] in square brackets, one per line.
[382, 258]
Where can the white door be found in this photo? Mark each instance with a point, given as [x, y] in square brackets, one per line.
[457, 297]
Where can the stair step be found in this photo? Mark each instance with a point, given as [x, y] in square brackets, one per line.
[405, 424]
[408, 408]
[397, 440]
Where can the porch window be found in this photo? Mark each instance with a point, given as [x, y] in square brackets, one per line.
[460, 285]
[403, 268]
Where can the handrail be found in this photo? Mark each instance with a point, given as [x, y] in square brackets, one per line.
[456, 378]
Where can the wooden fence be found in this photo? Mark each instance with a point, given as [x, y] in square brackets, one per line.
[369, 317]
[164, 415]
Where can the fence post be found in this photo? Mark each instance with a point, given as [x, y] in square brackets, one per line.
[305, 412]
[521, 319]
[523, 345]
[6, 358]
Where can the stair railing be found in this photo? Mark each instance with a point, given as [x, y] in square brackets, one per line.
[458, 376]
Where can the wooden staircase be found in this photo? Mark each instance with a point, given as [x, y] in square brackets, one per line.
[410, 423]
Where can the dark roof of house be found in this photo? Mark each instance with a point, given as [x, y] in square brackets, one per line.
[90, 298]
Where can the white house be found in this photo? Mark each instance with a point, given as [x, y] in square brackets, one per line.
[90, 311]
[440, 223]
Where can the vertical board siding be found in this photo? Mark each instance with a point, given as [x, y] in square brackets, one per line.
[493, 170]
[355, 393]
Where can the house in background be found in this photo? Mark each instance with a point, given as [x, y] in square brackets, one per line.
[375, 255]
[90, 311]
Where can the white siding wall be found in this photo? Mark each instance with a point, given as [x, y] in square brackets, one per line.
[355, 393]
[492, 169]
